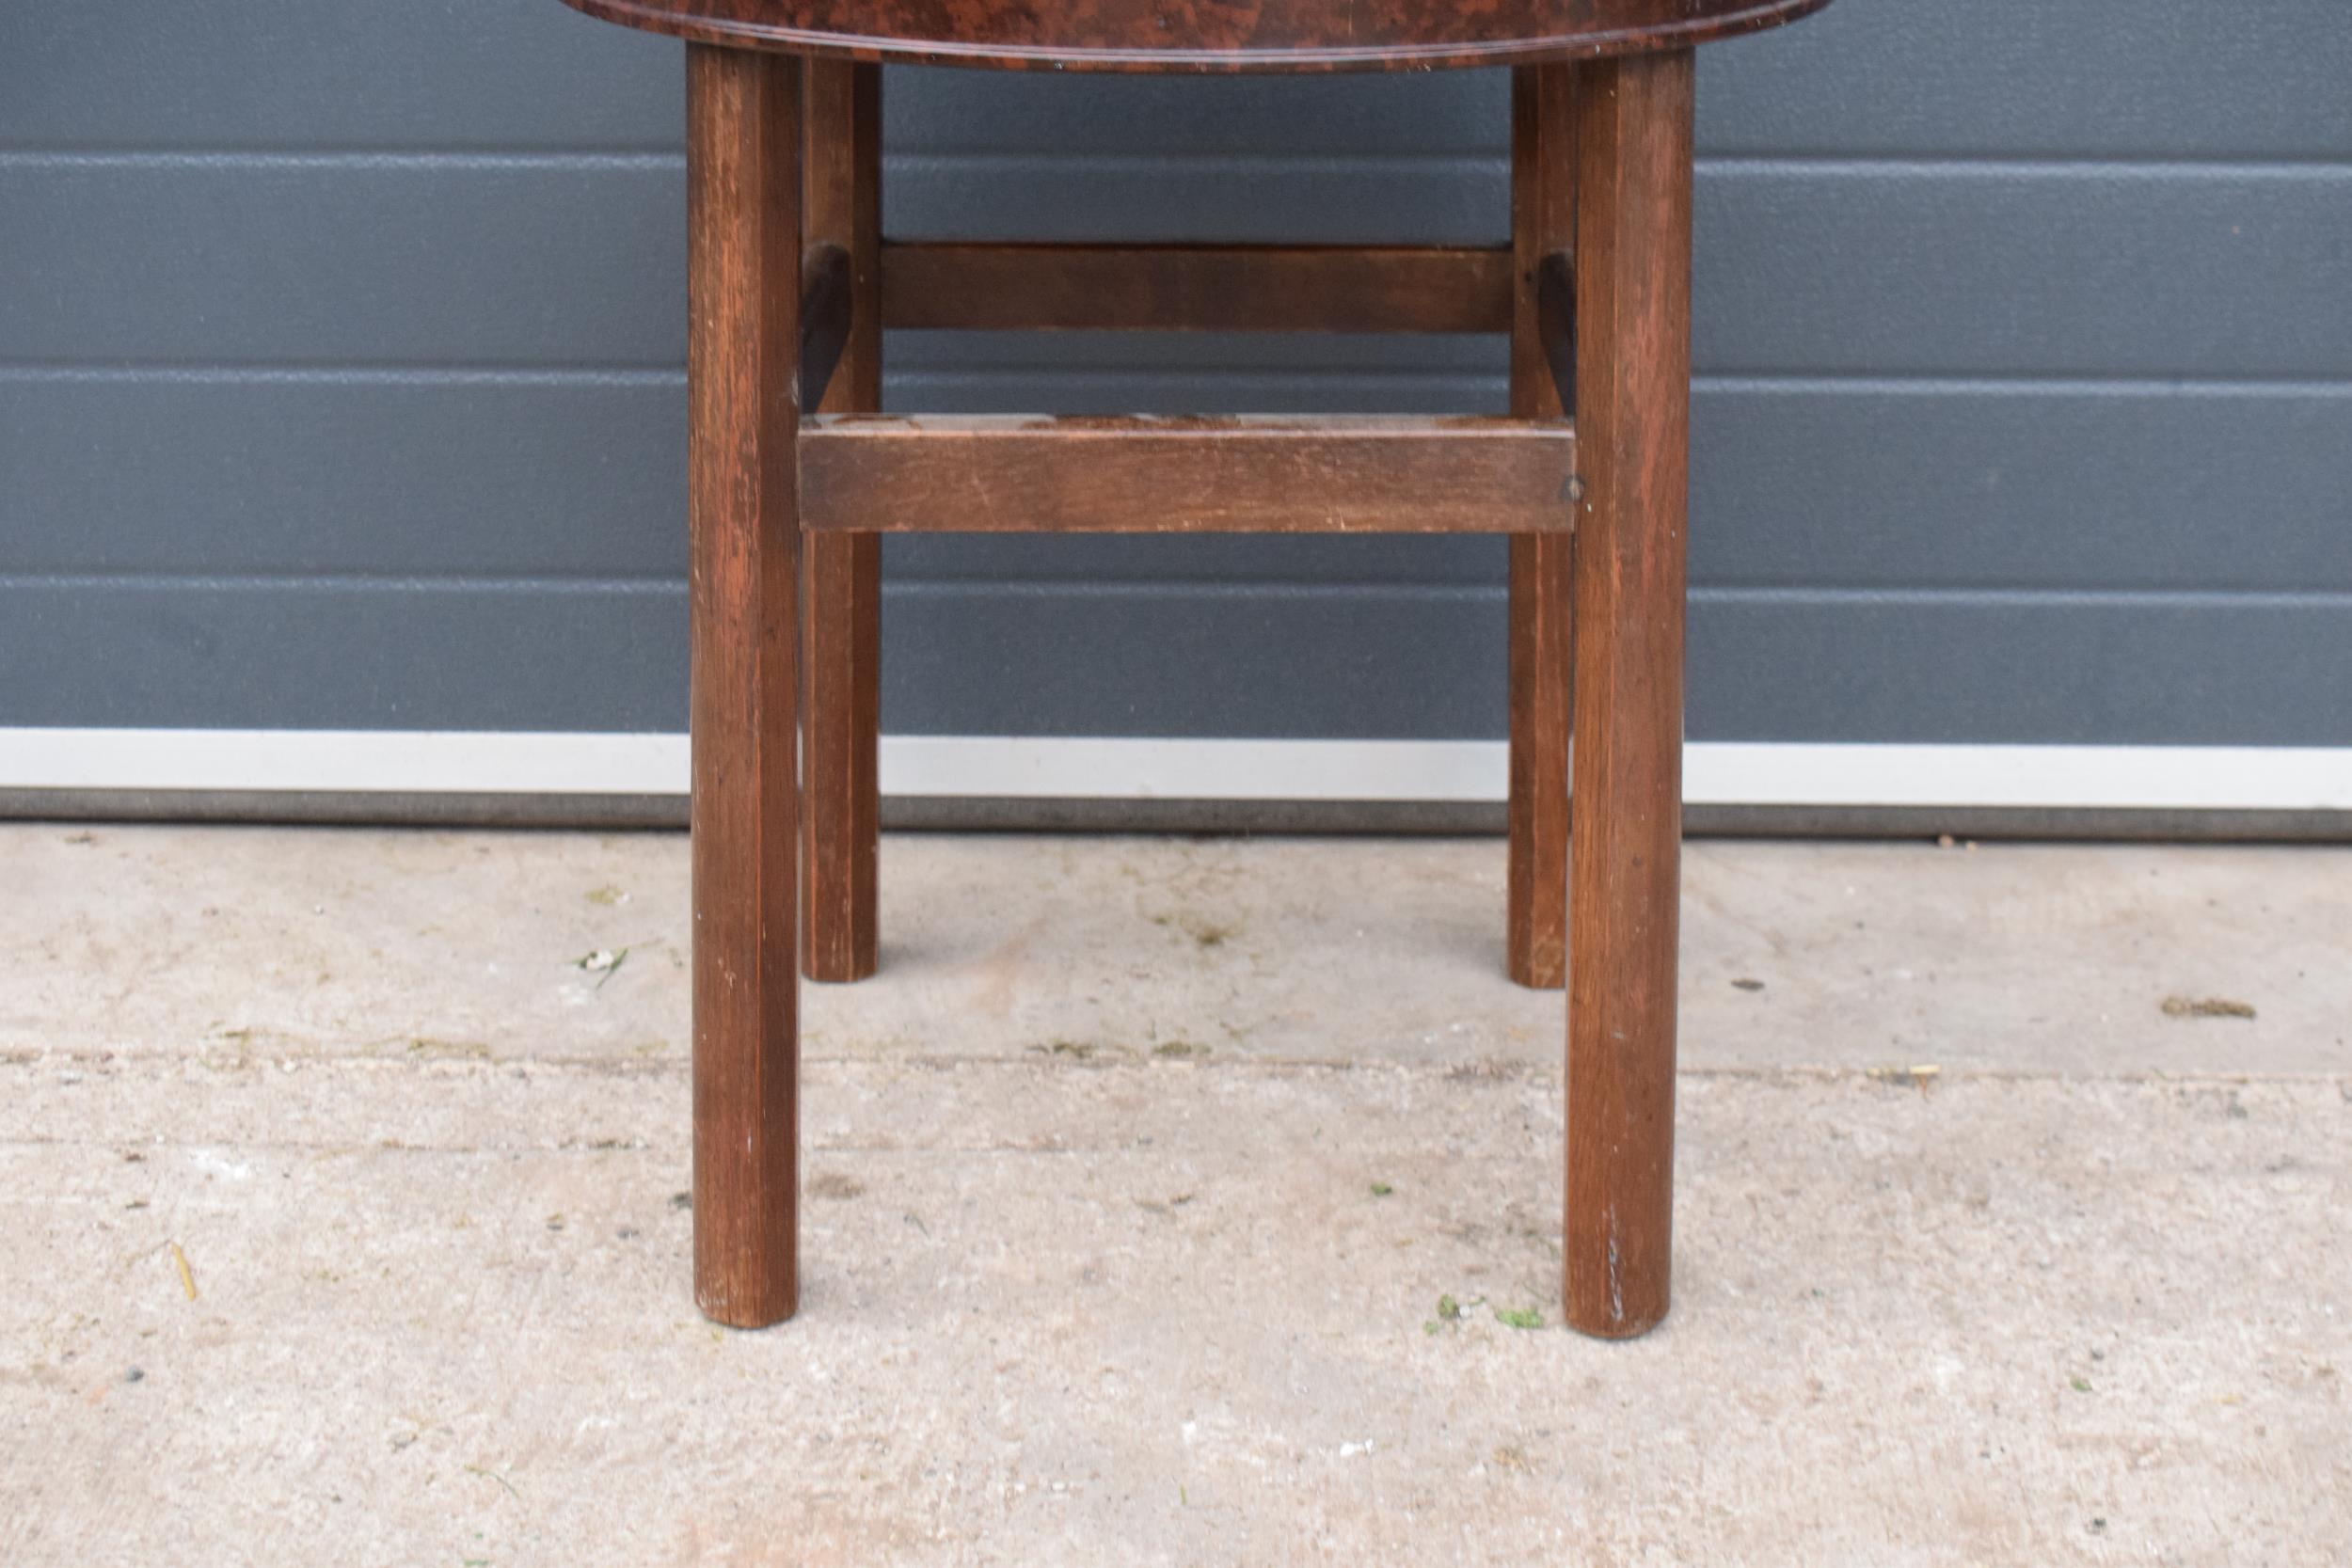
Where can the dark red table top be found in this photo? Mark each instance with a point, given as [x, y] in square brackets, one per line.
[1205, 35]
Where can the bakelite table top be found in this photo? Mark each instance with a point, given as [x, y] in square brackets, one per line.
[1204, 36]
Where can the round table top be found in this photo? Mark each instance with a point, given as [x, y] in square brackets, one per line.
[1204, 36]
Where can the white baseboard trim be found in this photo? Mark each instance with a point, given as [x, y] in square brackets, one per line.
[2127, 778]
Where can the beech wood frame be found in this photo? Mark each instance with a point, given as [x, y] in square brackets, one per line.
[792, 286]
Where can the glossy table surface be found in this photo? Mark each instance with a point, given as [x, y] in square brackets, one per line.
[1205, 35]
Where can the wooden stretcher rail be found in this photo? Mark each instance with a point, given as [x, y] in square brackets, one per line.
[1197, 288]
[1032, 474]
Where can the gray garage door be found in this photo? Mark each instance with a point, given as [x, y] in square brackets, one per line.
[341, 346]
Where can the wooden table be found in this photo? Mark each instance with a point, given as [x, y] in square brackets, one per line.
[794, 474]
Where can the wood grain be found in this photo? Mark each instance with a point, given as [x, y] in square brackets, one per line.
[744, 277]
[1632, 401]
[1542, 651]
[1033, 474]
[1198, 288]
[844, 644]
[1153, 35]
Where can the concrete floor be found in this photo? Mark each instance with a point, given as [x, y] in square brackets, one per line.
[344, 1214]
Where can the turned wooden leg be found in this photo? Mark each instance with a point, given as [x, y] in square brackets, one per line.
[1632, 408]
[743, 276]
[1543, 220]
[844, 644]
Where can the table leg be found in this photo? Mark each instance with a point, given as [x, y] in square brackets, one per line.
[844, 634]
[1633, 396]
[743, 282]
[1542, 223]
